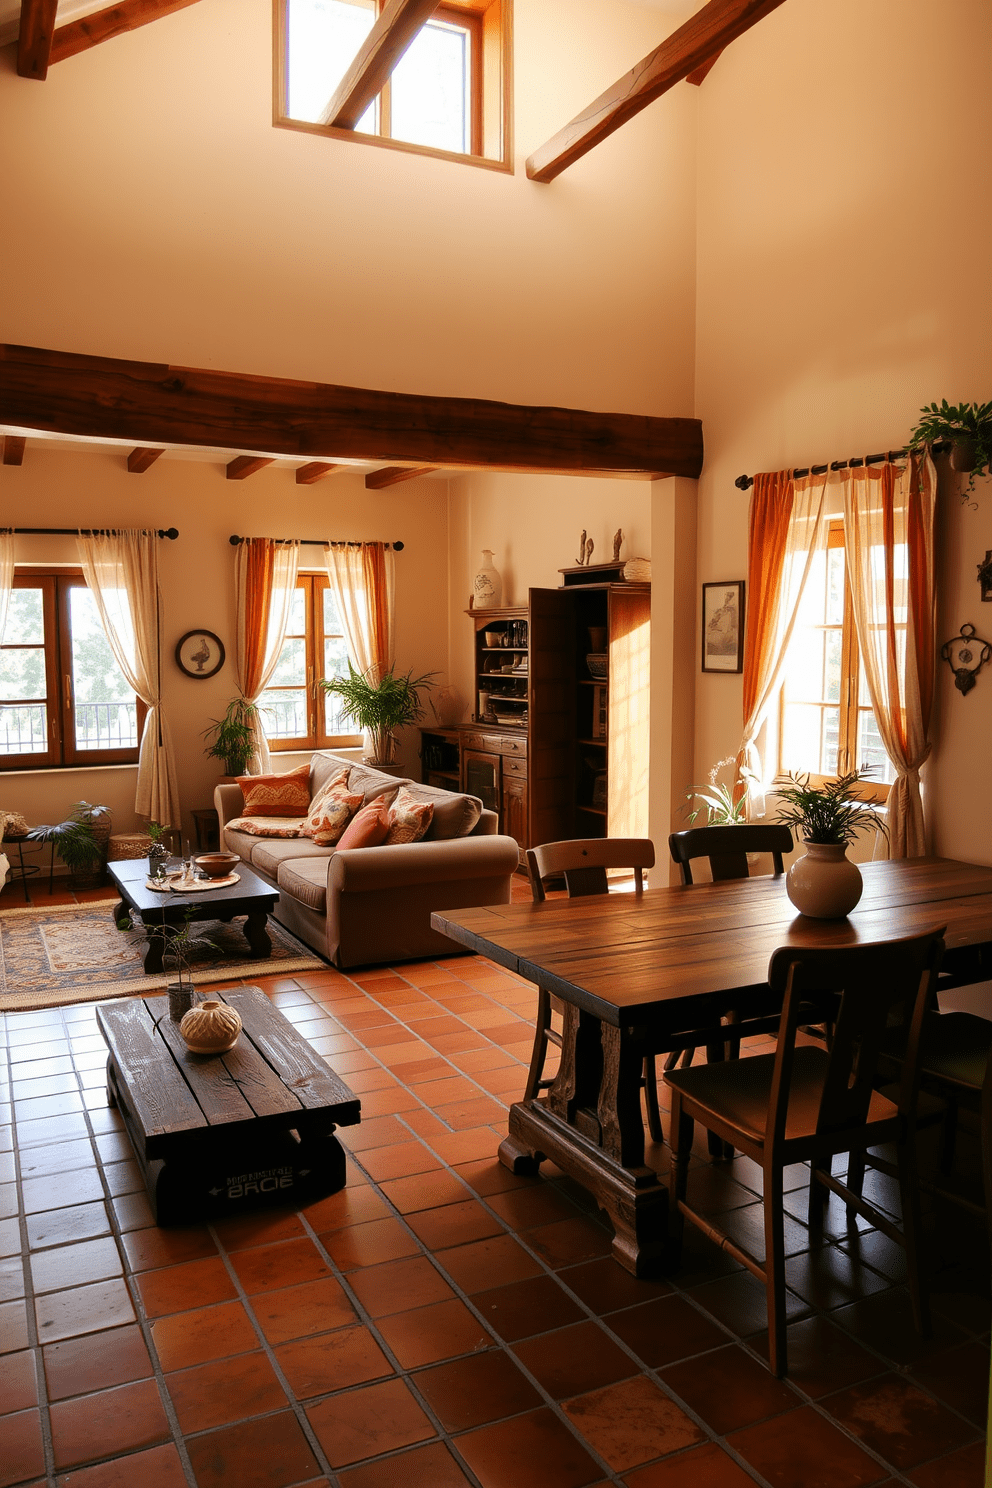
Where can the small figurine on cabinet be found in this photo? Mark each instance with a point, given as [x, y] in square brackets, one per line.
[617, 544]
[582, 548]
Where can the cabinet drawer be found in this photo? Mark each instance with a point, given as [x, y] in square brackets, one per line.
[508, 744]
[517, 767]
[486, 742]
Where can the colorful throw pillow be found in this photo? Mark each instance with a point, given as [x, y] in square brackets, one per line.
[267, 826]
[332, 810]
[408, 818]
[277, 795]
[367, 828]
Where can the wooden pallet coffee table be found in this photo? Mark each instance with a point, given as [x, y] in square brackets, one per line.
[250, 896]
[216, 1135]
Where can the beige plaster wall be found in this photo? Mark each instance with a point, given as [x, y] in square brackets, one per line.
[843, 281]
[159, 215]
[197, 581]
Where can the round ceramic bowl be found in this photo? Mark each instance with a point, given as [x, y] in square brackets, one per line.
[598, 663]
[217, 864]
[494, 638]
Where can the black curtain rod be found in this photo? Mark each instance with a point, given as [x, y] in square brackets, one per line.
[170, 532]
[314, 542]
[743, 482]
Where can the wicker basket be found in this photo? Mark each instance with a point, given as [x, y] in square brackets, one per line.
[125, 845]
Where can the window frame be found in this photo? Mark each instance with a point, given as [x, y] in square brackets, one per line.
[848, 705]
[62, 752]
[313, 586]
[491, 24]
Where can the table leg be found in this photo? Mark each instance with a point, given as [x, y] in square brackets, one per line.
[154, 962]
[256, 934]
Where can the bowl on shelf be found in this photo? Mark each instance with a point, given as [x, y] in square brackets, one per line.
[217, 864]
[598, 664]
[493, 637]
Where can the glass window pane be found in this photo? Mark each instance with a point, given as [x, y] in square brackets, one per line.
[834, 599]
[430, 89]
[291, 668]
[332, 617]
[335, 665]
[24, 730]
[25, 619]
[322, 37]
[106, 716]
[22, 674]
[809, 738]
[285, 714]
[871, 751]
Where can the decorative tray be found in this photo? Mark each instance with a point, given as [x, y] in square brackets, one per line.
[173, 884]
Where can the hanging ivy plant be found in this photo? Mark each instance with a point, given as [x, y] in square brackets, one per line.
[968, 428]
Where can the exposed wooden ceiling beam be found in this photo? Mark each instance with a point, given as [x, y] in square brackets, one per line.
[378, 480]
[128, 15]
[377, 56]
[140, 459]
[694, 43]
[309, 475]
[144, 402]
[698, 74]
[34, 39]
[244, 466]
[13, 449]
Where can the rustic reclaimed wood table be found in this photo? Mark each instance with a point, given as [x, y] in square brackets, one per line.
[250, 896]
[632, 969]
[218, 1134]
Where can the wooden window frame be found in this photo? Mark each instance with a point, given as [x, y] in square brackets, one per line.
[491, 25]
[62, 752]
[313, 586]
[850, 688]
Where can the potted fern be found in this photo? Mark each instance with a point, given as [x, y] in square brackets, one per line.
[380, 707]
[824, 883]
[968, 428]
[232, 738]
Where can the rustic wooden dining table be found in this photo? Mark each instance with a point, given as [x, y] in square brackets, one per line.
[634, 969]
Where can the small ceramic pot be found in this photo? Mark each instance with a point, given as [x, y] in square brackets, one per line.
[963, 453]
[211, 1028]
[824, 884]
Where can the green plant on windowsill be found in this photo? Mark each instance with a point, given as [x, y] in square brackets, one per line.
[378, 708]
[831, 814]
[968, 427]
[717, 798]
[232, 738]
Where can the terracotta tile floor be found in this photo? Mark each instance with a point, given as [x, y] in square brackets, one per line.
[440, 1322]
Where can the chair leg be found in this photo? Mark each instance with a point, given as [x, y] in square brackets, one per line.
[775, 1271]
[678, 1176]
[715, 1144]
[856, 1175]
[818, 1195]
[912, 1224]
[540, 1051]
[651, 1098]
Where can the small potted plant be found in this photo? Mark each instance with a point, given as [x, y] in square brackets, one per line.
[378, 708]
[717, 798]
[232, 738]
[824, 883]
[159, 850]
[80, 841]
[968, 428]
[179, 946]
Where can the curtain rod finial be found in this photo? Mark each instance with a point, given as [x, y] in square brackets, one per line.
[235, 541]
[170, 532]
[743, 482]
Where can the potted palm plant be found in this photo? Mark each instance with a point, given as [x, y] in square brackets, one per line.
[80, 841]
[232, 738]
[824, 883]
[380, 707]
[968, 428]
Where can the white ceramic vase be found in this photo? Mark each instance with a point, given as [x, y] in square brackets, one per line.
[824, 883]
[488, 586]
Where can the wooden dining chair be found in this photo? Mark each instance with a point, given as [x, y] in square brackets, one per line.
[806, 1103]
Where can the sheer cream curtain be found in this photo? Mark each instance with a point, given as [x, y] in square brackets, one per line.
[889, 532]
[362, 579]
[6, 575]
[121, 569]
[265, 575]
[787, 529]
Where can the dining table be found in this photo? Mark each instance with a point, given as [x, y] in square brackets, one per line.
[633, 969]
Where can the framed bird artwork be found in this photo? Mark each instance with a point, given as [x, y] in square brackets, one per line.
[200, 654]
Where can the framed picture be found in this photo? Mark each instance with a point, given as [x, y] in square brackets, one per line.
[200, 654]
[723, 626]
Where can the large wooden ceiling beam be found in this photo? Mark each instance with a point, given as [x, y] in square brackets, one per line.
[13, 449]
[128, 15]
[377, 56]
[140, 459]
[34, 39]
[392, 475]
[698, 74]
[152, 403]
[694, 43]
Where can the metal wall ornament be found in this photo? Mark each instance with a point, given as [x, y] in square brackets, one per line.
[966, 654]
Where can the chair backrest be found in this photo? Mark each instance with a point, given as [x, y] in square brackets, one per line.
[727, 848]
[584, 861]
[870, 981]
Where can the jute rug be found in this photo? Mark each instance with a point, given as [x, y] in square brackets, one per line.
[75, 953]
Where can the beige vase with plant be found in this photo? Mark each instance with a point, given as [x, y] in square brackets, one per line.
[824, 883]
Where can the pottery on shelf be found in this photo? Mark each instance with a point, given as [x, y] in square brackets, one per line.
[488, 586]
[824, 883]
[211, 1028]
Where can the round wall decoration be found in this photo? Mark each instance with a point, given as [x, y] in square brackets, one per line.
[200, 653]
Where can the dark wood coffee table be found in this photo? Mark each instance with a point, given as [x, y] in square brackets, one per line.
[218, 1134]
[251, 896]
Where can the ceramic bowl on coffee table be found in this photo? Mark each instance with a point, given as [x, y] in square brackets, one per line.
[217, 864]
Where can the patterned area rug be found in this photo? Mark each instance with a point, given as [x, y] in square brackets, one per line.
[75, 953]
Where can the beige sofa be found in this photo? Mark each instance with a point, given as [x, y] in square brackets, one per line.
[373, 904]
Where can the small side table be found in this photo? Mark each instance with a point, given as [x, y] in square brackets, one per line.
[20, 869]
[207, 830]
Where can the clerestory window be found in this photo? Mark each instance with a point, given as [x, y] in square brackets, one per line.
[447, 95]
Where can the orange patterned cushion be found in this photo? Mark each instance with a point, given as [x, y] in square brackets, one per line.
[277, 795]
[267, 826]
[337, 785]
[368, 828]
[408, 818]
[331, 810]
